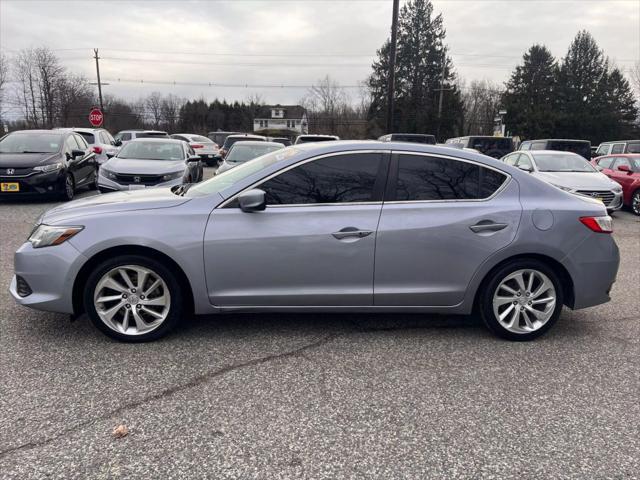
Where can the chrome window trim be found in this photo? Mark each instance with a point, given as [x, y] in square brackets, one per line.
[475, 200]
[297, 164]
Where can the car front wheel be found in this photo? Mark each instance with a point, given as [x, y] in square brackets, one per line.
[635, 202]
[133, 298]
[521, 300]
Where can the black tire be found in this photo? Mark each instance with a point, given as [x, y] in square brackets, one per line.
[94, 185]
[68, 188]
[635, 202]
[491, 283]
[176, 307]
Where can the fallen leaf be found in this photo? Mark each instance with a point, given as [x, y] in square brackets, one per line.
[120, 431]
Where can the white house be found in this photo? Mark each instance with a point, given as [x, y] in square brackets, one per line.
[289, 119]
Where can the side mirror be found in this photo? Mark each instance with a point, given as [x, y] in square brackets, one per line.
[252, 200]
[624, 168]
[193, 158]
[111, 155]
[524, 168]
[77, 153]
[117, 143]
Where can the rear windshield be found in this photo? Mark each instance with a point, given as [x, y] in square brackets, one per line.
[199, 138]
[31, 143]
[315, 139]
[87, 136]
[581, 148]
[152, 150]
[633, 148]
[491, 143]
[152, 134]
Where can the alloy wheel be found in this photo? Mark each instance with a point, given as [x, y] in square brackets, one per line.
[524, 301]
[68, 187]
[132, 300]
[635, 203]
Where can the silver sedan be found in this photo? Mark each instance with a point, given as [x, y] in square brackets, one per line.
[301, 229]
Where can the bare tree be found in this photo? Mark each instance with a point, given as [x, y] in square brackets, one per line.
[153, 108]
[73, 100]
[4, 75]
[49, 74]
[481, 103]
[635, 79]
[170, 110]
[27, 78]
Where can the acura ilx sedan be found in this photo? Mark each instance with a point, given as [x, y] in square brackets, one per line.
[325, 227]
[150, 162]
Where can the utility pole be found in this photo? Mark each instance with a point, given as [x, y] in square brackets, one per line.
[392, 66]
[95, 51]
[441, 90]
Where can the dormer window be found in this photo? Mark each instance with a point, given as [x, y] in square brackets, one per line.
[277, 113]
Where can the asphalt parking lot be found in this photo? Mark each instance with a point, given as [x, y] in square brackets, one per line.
[321, 396]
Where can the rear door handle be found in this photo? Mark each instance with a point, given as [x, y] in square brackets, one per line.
[488, 227]
[351, 232]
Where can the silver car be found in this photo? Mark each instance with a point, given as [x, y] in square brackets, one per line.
[204, 147]
[100, 141]
[301, 229]
[570, 172]
[150, 162]
[242, 152]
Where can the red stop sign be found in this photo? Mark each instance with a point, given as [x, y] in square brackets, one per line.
[96, 117]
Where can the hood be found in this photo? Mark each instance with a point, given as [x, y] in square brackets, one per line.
[578, 180]
[123, 201]
[148, 167]
[25, 160]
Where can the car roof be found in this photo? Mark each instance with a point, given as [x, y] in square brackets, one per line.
[619, 155]
[620, 141]
[545, 152]
[316, 135]
[241, 135]
[40, 130]
[558, 140]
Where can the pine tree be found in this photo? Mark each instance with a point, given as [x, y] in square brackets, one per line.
[531, 95]
[421, 64]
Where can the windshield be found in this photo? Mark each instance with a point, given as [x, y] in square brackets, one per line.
[242, 153]
[31, 143]
[199, 138]
[152, 151]
[239, 173]
[562, 162]
[314, 139]
[231, 140]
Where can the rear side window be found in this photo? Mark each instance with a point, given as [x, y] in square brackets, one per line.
[87, 136]
[618, 148]
[633, 148]
[338, 179]
[422, 178]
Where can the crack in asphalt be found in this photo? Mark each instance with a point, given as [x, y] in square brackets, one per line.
[167, 392]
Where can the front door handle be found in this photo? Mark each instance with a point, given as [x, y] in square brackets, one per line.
[351, 232]
[485, 226]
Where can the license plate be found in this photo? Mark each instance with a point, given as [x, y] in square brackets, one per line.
[136, 187]
[9, 187]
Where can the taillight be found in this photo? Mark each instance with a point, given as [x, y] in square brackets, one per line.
[598, 224]
[196, 146]
[97, 150]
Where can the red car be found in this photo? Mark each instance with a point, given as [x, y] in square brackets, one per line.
[623, 168]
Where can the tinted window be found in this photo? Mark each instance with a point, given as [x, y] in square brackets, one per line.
[618, 148]
[429, 139]
[633, 148]
[337, 179]
[231, 140]
[581, 148]
[87, 136]
[152, 135]
[605, 162]
[490, 182]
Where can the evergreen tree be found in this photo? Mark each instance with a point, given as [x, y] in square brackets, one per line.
[422, 64]
[621, 108]
[531, 95]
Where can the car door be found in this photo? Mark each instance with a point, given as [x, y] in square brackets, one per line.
[84, 166]
[442, 218]
[314, 243]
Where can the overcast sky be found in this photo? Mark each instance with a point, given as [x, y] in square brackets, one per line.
[275, 42]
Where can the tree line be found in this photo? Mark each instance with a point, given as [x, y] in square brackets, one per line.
[582, 95]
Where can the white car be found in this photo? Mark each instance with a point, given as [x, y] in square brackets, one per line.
[100, 142]
[204, 147]
[312, 138]
[569, 172]
[242, 152]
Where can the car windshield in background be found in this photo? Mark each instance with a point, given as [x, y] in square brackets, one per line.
[241, 153]
[239, 173]
[581, 148]
[152, 135]
[31, 143]
[428, 139]
[561, 162]
[87, 136]
[199, 138]
[484, 144]
[152, 151]
[315, 139]
[231, 140]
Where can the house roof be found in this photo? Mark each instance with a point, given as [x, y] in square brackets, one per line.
[290, 111]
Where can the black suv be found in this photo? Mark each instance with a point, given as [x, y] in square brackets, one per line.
[581, 147]
[496, 147]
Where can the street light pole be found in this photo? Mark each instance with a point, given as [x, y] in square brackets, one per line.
[392, 66]
[95, 51]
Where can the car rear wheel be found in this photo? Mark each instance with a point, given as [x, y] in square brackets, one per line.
[133, 298]
[635, 202]
[521, 300]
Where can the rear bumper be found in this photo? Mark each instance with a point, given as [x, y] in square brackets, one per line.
[593, 266]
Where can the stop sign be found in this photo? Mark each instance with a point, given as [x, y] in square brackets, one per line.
[96, 117]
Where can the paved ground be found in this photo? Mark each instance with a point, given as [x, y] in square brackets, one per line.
[321, 396]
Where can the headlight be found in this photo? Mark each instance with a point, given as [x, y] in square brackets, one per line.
[617, 188]
[107, 173]
[48, 168]
[566, 189]
[171, 176]
[47, 235]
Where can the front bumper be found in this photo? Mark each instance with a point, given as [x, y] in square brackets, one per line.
[106, 184]
[616, 203]
[50, 273]
[35, 183]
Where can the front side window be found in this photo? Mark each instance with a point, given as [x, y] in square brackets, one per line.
[623, 161]
[525, 162]
[512, 159]
[337, 179]
[422, 178]
[605, 162]
[82, 144]
[602, 150]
